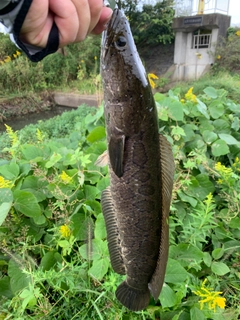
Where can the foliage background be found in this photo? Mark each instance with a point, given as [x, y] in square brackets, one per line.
[57, 265]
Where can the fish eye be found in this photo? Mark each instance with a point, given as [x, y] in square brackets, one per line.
[121, 42]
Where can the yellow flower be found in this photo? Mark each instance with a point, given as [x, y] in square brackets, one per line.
[65, 177]
[151, 77]
[7, 59]
[190, 96]
[219, 57]
[40, 135]
[238, 33]
[225, 172]
[182, 100]
[95, 57]
[18, 53]
[65, 231]
[210, 298]
[13, 137]
[5, 183]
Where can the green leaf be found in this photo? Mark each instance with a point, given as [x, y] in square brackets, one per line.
[185, 252]
[32, 152]
[159, 97]
[209, 136]
[94, 250]
[216, 109]
[4, 209]
[235, 223]
[99, 268]
[90, 192]
[5, 288]
[50, 259]
[103, 183]
[228, 139]
[189, 132]
[211, 92]
[53, 160]
[10, 171]
[5, 195]
[219, 148]
[79, 228]
[26, 203]
[175, 273]
[207, 259]
[175, 110]
[235, 124]
[219, 268]
[200, 186]
[100, 229]
[187, 198]
[163, 113]
[202, 108]
[168, 297]
[217, 253]
[18, 279]
[221, 126]
[196, 314]
[96, 134]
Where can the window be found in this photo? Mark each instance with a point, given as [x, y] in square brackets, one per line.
[202, 39]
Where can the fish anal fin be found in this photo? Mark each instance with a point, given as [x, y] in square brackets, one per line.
[167, 177]
[116, 153]
[132, 298]
[112, 232]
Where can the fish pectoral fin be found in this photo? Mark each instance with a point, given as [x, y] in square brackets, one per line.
[116, 152]
[102, 160]
[112, 232]
[167, 177]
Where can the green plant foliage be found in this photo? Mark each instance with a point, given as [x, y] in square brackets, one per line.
[54, 261]
[227, 55]
[152, 24]
[56, 70]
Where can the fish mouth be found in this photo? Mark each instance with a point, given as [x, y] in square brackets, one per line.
[109, 33]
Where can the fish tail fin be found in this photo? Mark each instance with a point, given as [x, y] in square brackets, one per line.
[132, 298]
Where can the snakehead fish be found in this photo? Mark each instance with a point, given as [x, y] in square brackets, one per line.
[136, 205]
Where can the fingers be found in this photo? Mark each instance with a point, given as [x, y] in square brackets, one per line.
[66, 17]
[75, 19]
[105, 16]
[37, 24]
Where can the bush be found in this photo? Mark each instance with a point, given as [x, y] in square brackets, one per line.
[20, 74]
[227, 56]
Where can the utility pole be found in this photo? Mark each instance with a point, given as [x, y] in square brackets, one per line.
[201, 7]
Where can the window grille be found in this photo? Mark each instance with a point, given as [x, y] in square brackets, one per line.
[201, 41]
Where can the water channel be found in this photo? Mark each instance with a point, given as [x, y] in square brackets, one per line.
[32, 118]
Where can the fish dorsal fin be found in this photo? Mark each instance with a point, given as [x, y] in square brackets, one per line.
[116, 153]
[112, 232]
[167, 176]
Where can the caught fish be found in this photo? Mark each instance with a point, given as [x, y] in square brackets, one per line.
[141, 166]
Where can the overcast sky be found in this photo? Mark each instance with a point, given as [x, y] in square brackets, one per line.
[234, 11]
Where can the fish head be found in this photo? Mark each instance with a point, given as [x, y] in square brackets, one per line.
[127, 92]
[119, 53]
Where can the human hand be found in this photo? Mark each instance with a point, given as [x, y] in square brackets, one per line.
[75, 19]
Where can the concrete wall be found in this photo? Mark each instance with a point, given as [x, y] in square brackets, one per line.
[191, 63]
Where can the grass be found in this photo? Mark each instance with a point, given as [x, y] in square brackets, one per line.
[221, 80]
